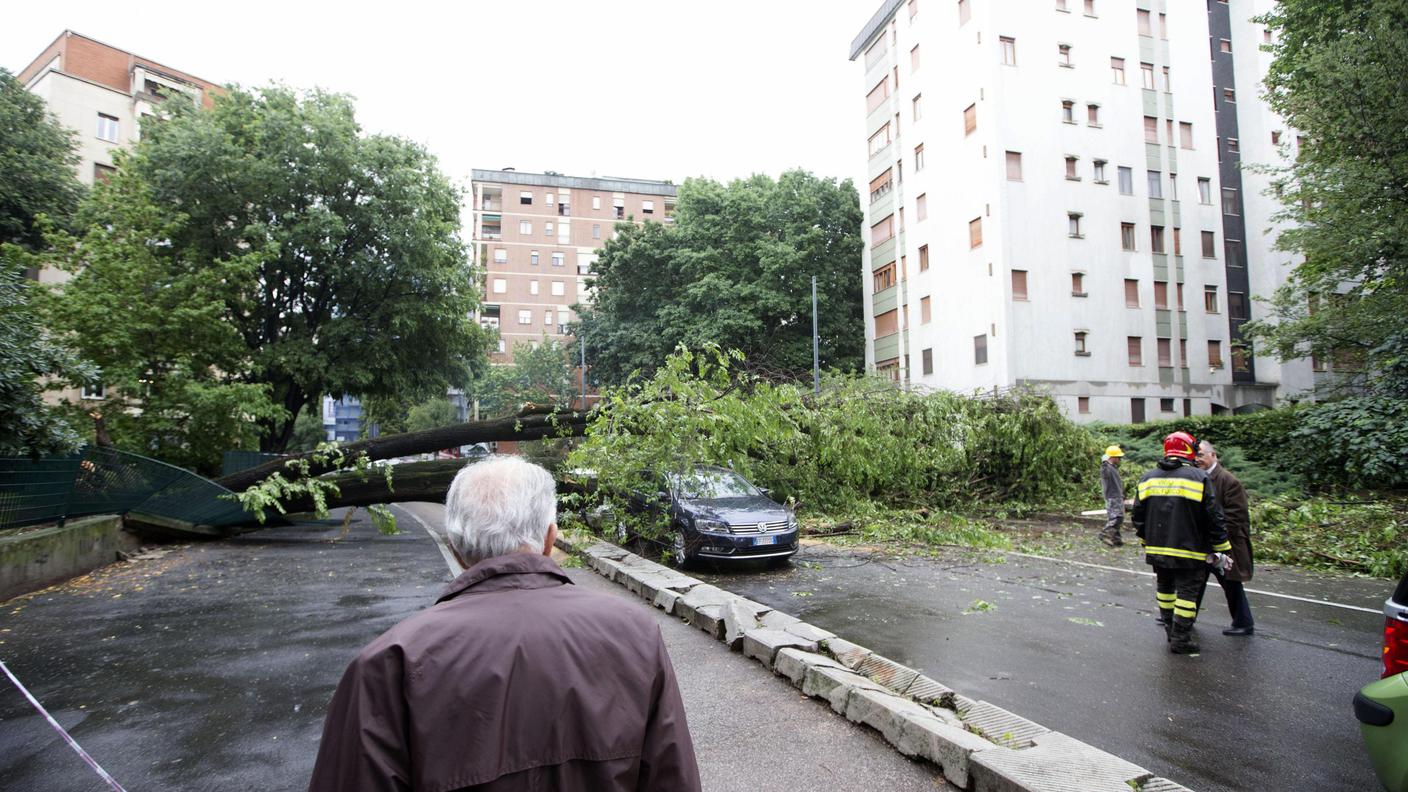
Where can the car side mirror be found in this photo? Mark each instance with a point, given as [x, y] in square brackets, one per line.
[766, 492]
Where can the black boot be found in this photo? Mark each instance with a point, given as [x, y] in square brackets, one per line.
[1181, 637]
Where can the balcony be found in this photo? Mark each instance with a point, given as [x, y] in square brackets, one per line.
[488, 205]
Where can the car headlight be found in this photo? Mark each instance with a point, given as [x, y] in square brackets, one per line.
[710, 525]
[791, 522]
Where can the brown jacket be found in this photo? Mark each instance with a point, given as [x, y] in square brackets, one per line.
[1232, 497]
[513, 680]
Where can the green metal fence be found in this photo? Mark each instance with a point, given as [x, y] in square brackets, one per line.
[107, 481]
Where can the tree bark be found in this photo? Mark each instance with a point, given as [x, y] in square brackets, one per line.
[532, 423]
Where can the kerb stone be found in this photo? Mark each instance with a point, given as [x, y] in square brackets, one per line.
[740, 616]
[939, 737]
[793, 664]
[763, 644]
[882, 711]
[848, 654]
[1057, 763]
[834, 685]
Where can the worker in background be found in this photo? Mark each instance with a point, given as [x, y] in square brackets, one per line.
[1177, 518]
[1112, 486]
[1232, 498]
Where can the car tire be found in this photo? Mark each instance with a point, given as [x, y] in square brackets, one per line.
[680, 557]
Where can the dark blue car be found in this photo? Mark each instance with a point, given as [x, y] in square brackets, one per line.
[716, 514]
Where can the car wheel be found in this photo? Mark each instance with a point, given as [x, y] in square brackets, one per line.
[679, 553]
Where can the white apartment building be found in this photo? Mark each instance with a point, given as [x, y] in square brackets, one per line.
[1055, 199]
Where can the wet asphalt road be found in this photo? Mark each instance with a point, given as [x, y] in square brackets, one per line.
[1075, 649]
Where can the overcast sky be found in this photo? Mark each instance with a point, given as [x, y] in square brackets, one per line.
[652, 89]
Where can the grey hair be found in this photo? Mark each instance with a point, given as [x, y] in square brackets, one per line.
[1211, 449]
[499, 506]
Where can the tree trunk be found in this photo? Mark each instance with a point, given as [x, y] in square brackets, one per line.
[532, 423]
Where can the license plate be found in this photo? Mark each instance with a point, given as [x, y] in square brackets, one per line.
[766, 540]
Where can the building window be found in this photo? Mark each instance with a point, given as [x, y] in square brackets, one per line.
[647, 207]
[1009, 50]
[1214, 354]
[923, 258]
[1117, 70]
[1237, 305]
[1019, 284]
[878, 94]
[1232, 252]
[918, 106]
[880, 139]
[887, 323]
[525, 227]
[559, 288]
[914, 59]
[1161, 295]
[94, 390]
[558, 259]
[533, 287]
[533, 257]
[1071, 169]
[1209, 244]
[882, 231]
[1099, 174]
[500, 256]
[102, 173]
[547, 229]
[1166, 405]
[970, 123]
[1233, 146]
[596, 201]
[1210, 299]
[921, 207]
[876, 52]
[1146, 75]
[1165, 351]
[1081, 349]
[1156, 239]
[913, 9]
[1126, 176]
[1090, 7]
[1224, 45]
[1185, 134]
[1136, 411]
[1068, 111]
[525, 317]
[1204, 191]
[1146, 26]
[1230, 204]
[924, 310]
[1061, 6]
[975, 233]
[1092, 114]
[1127, 236]
[596, 231]
[919, 157]
[500, 286]
[1241, 359]
[1182, 351]
[1173, 186]
[1229, 95]
[1063, 55]
[1136, 350]
[927, 358]
[1083, 405]
[1078, 284]
[1073, 225]
[1131, 293]
[1014, 166]
[1156, 184]
[1178, 291]
[1177, 242]
[525, 198]
[107, 128]
[980, 349]
[884, 278]
[1151, 129]
[964, 12]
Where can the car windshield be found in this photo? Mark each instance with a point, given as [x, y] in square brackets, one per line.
[706, 483]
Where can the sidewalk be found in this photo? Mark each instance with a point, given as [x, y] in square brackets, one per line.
[210, 668]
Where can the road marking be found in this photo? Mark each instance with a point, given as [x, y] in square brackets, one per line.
[449, 557]
[1151, 574]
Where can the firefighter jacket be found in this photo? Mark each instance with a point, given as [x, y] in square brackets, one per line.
[1176, 516]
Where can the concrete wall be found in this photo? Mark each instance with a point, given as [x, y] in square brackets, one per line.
[35, 559]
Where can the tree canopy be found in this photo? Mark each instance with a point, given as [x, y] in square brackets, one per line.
[1337, 80]
[541, 374]
[734, 269]
[276, 254]
[37, 160]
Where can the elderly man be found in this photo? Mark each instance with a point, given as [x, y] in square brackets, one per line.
[1232, 497]
[514, 679]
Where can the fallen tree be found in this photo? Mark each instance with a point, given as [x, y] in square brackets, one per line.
[533, 422]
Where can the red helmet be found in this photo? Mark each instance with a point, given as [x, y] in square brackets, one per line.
[1181, 444]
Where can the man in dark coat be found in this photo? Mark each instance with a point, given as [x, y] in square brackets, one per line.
[514, 679]
[1232, 497]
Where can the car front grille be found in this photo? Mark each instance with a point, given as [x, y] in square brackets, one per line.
[758, 528]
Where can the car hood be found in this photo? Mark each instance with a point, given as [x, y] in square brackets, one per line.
[737, 511]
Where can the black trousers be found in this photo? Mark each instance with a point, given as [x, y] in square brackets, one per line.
[1178, 591]
[1237, 604]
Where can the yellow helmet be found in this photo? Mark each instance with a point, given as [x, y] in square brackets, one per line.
[1114, 451]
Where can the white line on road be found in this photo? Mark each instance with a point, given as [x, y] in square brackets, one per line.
[1151, 574]
[439, 541]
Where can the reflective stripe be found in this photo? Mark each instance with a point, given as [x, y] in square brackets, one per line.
[1183, 603]
[1171, 488]
[1187, 614]
[1165, 606]
[1165, 597]
[1176, 552]
[1222, 548]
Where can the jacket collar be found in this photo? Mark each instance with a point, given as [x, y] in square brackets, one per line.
[512, 571]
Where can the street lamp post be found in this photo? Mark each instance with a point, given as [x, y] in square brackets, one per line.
[816, 346]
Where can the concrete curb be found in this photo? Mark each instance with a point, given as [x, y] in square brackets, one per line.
[978, 746]
[36, 559]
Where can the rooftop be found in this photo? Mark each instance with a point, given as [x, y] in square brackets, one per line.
[603, 184]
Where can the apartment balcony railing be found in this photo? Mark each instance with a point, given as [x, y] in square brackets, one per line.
[879, 192]
[491, 206]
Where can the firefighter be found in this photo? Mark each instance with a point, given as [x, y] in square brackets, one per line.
[1177, 519]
